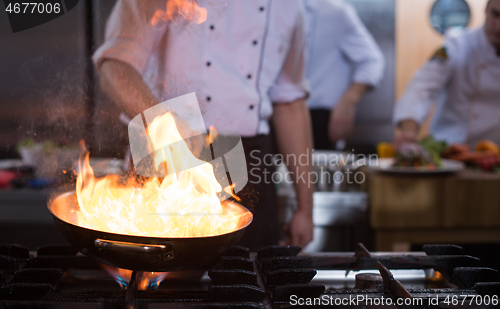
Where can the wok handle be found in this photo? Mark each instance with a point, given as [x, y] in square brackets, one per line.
[165, 250]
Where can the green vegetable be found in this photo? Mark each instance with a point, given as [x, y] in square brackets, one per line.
[49, 146]
[434, 148]
[26, 143]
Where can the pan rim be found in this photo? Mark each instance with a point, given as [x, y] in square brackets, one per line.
[52, 200]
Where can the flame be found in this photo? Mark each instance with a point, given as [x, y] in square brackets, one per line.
[183, 204]
[148, 280]
[186, 8]
[212, 134]
[230, 190]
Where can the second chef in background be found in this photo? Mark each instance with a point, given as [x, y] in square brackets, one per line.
[464, 78]
[343, 63]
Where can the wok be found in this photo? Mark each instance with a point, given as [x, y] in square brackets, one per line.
[141, 253]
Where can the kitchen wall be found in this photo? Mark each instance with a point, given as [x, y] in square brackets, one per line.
[416, 40]
[42, 80]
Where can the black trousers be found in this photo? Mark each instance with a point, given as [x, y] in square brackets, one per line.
[259, 195]
[320, 119]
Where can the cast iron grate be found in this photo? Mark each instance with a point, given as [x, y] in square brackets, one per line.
[287, 273]
[34, 282]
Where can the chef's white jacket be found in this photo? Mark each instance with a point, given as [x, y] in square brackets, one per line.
[246, 56]
[466, 85]
[340, 51]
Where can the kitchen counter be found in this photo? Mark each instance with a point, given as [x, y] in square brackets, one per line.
[24, 217]
[461, 207]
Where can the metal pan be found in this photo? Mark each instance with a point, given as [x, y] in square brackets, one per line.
[138, 252]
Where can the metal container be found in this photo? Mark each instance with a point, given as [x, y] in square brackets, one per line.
[333, 169]
[340, 209]
[340, 219]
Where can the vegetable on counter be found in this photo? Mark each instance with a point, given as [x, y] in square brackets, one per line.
[26, 143]
[485, 156]
[414, 155]
[46, 146]
[385, 150]
[426, 154]
[434, 148]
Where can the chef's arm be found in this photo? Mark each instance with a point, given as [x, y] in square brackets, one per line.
[359, 46]
[422, 92]
[355, 93]
[293, 131]
[125, 86]
[342, 116]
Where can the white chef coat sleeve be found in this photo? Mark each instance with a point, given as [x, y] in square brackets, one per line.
[291, 83]
[129, 34]
[425, 88]
[359, 46]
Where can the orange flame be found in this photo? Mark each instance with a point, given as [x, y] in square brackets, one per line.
[183, 204]
[212, 134]
[186, 8]
[230, 190]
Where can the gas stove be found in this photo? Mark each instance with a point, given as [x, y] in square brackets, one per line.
[274, 277]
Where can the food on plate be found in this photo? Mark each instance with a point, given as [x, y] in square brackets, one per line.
[427, 153]
[455, 149]
[489, 163]
[47, 146]
[485, 156]
[434, 148]
[26, 143]
[414, 155]
[385, 150]
[487, 146]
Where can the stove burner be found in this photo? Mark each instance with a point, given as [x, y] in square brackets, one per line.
[59, 277]
[369, 281]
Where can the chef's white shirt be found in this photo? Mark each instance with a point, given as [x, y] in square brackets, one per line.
[246, 56]
[466, 86]
[340, 51]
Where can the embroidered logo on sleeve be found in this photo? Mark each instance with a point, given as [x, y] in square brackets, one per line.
[441, 54]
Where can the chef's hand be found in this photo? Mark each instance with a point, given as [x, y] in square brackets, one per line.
[341, 121]
[300, 232]
[342, 116]
[407, 133]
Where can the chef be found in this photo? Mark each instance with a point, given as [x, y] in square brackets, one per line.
[246, 65]
[343, 63]
[464, 78]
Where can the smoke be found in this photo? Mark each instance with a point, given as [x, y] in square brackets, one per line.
[54, 93]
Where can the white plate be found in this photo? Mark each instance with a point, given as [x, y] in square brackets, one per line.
[11, 163]
[447, 166]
